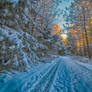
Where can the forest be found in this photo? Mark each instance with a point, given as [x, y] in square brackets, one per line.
[25, 32]
[80, 24]
[45, 45]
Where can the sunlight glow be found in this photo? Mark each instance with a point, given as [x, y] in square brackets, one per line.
[64, 36]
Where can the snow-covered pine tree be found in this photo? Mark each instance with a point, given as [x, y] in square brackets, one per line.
[25, 32]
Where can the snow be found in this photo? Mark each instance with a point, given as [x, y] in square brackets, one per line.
[86, 65]
[1, 38]
[62, 74]
[12, 47]
[85, 62]
[20, 42]
[14, 1]
[12, 37]
[15, 61]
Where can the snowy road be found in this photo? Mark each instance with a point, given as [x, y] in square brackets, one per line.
[62, 75]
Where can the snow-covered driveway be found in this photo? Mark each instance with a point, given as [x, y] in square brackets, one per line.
[62, 75]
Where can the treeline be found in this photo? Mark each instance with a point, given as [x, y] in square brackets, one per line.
[79, 24]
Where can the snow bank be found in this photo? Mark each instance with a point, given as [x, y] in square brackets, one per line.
[87, 65]
[85, 62]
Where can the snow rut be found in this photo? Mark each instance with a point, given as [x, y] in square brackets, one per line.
[62, 82]
[24, 81]
[45, 83]
[81, 78]
[72, 77]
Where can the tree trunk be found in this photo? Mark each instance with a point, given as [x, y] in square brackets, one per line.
[84, 47]
[86, 35]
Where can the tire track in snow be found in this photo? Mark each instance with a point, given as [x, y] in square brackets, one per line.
[50, 82]
[28, 83]
[45, 83]
[72, 78]
[62, 83]
[81, 79]
[18, 81]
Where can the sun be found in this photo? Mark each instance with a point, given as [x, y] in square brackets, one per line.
[64, 36]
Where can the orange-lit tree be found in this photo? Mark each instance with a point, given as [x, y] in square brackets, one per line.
[79, 15]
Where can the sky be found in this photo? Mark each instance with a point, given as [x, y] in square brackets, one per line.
[59, 19]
